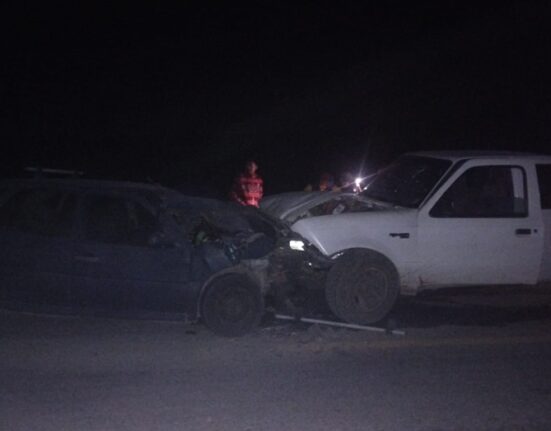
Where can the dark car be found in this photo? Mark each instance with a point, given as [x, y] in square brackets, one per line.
[73, 244]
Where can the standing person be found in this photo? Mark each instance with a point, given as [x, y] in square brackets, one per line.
[248, 186]
[326, 184]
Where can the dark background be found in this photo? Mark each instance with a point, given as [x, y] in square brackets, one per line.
[185, 94]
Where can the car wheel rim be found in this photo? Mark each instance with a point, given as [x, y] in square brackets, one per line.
[232, 307]
[370, 290]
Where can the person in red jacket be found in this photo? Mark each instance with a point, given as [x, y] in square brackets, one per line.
[248, 186]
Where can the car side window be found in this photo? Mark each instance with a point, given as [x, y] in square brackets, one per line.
[544, 181]
[42, 211]
[485, 191]
[4, 191]
[116, 220]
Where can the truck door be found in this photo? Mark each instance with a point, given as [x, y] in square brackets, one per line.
[482, 227]
[544, 182]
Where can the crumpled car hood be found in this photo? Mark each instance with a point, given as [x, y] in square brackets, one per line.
[285, 205]
[228, 217]
[225, 233]
[294, 206]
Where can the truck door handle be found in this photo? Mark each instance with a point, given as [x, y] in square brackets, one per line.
[399, 234]
[88, 259]
[523, 231]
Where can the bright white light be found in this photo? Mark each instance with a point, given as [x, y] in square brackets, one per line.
[358, 181]
[296, 245]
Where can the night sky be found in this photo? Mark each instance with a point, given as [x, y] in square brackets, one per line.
[185, 94]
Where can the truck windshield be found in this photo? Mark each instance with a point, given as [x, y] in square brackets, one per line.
[407, 181]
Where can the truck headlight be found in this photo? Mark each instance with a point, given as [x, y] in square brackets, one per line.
[295, 244]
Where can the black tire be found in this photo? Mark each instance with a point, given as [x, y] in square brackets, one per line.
[331, 293]
[232, 305]
[362, 286]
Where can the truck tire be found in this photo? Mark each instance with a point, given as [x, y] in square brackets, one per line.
[232, 305]
[362, 286]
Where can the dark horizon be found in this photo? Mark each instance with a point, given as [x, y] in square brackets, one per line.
[185, 96]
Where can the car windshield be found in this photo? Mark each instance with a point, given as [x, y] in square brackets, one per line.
[407, 181]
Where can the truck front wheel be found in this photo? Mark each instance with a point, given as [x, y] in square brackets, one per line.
[362, 286]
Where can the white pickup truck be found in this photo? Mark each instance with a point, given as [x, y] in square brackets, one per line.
[429, 220]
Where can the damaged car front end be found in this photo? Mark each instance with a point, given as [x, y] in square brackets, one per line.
[249, 261]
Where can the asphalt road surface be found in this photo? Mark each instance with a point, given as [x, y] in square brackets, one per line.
[467, 362]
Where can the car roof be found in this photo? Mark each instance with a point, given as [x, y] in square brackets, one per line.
[88, 184]
[456, 155]
[170, 197]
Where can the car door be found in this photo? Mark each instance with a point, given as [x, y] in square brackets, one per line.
[116, 266]
[36, 246]
[481, 228]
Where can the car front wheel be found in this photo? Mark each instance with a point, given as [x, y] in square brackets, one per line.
[232, 305]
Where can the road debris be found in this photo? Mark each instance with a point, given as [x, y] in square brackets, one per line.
[340, 324]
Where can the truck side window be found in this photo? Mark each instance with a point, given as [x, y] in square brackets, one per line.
[485, 191]
[544, 181]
